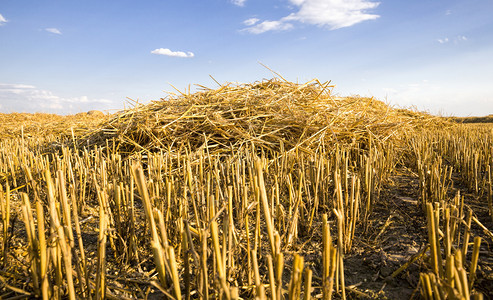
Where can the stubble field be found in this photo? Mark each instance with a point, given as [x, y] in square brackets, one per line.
[265, 190]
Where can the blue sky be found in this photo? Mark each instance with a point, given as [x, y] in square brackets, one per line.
[68, 56]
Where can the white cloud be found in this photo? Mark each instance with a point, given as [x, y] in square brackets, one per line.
[168, 52]
[2, 20]
[238, 2]
[331, 14]
[448, 12]
[456, 40]
[53, 30]
[251, 21]
[28, 98]
[269, 26]
[4, 86]
[461, 38]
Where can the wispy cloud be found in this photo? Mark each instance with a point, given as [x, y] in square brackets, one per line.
[53, 30]
[28, 98]
[331, 14]
[15, 87]
[238, 2]
[455, 40]
[168, 52]
[461, 38]
[251, 21]
[269, 26]
[2, 20]
[448, 12]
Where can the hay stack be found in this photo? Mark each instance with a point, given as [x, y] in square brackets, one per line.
[267, 113]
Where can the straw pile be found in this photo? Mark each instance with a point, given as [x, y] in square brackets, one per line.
[39, 125]
[272, 114]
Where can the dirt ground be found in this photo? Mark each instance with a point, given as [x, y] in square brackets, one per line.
[397, 231]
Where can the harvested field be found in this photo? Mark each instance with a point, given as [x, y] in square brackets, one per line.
[265, 190]
[473, 120]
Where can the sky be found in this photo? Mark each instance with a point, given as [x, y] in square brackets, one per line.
[68, 56]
